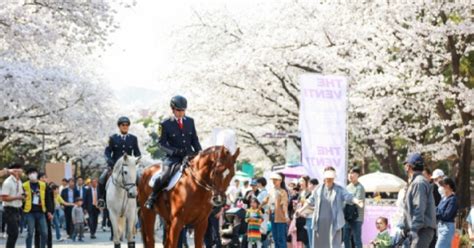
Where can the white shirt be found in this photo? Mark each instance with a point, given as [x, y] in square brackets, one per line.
[232, 193]
[12, 187]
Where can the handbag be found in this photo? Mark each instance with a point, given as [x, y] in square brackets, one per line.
[351, 213]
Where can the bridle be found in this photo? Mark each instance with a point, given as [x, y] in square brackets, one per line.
[211, 187]
[122, 184]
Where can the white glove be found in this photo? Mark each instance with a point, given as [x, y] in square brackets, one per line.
[413, 235]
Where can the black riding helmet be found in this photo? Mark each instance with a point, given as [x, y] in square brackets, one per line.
[122, 120]
[179, 102]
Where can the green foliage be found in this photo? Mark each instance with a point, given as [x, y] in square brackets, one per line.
[153, 148]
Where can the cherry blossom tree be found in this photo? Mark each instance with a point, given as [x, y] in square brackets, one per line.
[409, 66]
[49, 87]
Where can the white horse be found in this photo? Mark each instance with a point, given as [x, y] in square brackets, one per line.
[121, 199]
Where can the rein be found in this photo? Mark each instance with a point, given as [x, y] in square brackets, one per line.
[202, 183]
[198, 181]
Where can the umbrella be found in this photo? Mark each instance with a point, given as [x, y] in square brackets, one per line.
[381, 182]
[241, 176]
[293, 172]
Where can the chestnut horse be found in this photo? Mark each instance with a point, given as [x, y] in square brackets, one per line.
[190, 202]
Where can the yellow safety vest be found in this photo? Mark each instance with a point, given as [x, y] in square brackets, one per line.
[29, 200]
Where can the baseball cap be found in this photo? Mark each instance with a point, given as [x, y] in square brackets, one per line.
[437, 173]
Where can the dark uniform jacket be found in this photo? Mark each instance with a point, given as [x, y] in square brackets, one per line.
[176, 142]
[118, 146]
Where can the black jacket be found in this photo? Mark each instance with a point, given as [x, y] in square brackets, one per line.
[178, 142]
[118, 146]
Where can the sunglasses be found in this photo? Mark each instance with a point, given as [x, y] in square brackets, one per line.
[379, 223]
[125, 124]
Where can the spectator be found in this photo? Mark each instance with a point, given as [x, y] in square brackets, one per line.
[446, 213]
[293, 183]
[12, 194]
[419, 215]
[212, 237]
[252, 193]
[470, 222]
[353, 229]
[279, 218]
[64, 184]
[383, 239]
[246, 188]
[35, 208]
[58, 202]
[261, 197]
[263, 193]
[438, 191]
[91, 207]
[254, 219]
[81, 188]
[88, 182]
[305, 193]
[328, 218]
[308, 212]
[48, 215]
[233, 192]
[78, 219]
[69, 194]
[9, 171]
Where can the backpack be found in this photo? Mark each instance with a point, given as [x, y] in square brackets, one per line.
[351, 213]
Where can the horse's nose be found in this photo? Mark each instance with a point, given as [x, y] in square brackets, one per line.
[132, 193]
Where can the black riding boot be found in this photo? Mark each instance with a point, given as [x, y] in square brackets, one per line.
[101, 196]
[157, 187]
[131, 244]
[101, 189]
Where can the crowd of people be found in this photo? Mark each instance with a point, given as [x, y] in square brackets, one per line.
[288, 213]
[304, 213]
[44, 208]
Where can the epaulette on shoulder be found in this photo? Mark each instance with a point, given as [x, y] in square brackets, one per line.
[168, 119]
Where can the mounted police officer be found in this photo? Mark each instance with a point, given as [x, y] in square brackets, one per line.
[119, 144]
[178, 138]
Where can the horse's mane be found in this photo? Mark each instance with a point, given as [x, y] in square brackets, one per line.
[211, 149]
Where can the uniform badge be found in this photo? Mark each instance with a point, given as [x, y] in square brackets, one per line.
[160, 130]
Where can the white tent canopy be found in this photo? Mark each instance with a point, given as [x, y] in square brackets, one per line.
[381, 182]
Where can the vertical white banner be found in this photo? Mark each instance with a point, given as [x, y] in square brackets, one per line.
[323, 124]
[68, 170]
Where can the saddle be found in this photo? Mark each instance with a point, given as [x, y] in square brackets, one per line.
[176, 173]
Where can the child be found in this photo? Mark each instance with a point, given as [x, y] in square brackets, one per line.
[383, 239]
[78, 220]
[254, 218]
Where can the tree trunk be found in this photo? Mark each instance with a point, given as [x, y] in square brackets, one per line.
[463, 177]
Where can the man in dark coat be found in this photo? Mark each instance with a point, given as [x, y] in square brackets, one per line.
[119, 144]
[178, 138]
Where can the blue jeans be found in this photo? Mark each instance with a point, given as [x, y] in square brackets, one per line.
[31, 219]
[353, 229]
[57, 223]
[309, 221]
[445, 234]
[279, 232]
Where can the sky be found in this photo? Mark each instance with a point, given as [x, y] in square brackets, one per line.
[142, 46]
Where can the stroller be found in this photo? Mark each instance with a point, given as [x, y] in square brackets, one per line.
[234, 227]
